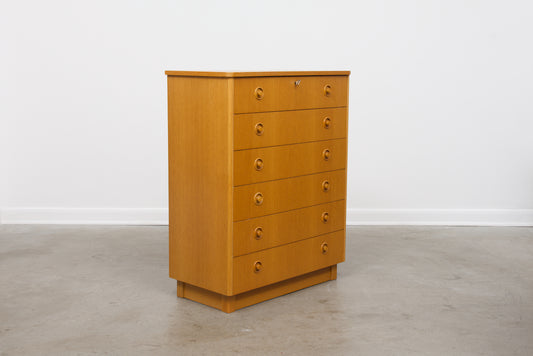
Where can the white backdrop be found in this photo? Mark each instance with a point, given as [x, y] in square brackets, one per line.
[441, 114]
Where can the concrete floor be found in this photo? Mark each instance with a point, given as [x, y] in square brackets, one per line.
[403, 291]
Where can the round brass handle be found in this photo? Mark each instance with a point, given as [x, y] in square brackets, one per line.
[258, 233]
[259, 93]
[325, 216]
[327, 122]
[324, 247]
[259, 128]
[326, 154]
[258, 198]
[258, 164]
[258, 266]
[327, 90]
[325, 185]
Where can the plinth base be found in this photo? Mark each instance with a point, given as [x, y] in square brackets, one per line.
[229, 304]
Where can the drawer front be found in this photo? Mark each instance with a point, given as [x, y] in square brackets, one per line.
[262, 164]
[286, 127]
[274, 230]
[261, 94]
[279, 263]
[276, 196]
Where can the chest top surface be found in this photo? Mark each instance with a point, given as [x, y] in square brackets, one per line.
[178, 73]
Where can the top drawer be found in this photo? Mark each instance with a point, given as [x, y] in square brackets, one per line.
[260, 94]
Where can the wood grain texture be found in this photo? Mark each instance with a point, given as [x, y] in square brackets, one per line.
[180, 289]
[281, 93]
[287, 194]
[284, 287]
[333, 273]
[210, 298]
[288, 161]
[229, 304]
[251, 150]
[287, 227]
[287, 261]
[180, 73]
[200, 148]
[286, 127]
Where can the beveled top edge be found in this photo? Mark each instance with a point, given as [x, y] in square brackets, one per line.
[179, 73]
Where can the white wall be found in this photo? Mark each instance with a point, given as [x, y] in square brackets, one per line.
[441, 114]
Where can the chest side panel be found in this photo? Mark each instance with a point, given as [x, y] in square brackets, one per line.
[200, 151]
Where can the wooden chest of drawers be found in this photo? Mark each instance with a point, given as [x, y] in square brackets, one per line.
[257, 183]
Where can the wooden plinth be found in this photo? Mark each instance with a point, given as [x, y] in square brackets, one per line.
[229, 304]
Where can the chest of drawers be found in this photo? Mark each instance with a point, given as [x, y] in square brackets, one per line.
[257, 183]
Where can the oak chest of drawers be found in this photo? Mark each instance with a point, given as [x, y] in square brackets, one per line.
[257, 183]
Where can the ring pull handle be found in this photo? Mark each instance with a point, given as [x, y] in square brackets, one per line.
[326, 122]
[327, 90]
[258, 164]
[326, 154]
[258, 198]
[259, 128]
[259, 93]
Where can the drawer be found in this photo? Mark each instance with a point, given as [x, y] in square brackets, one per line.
[261, 94]
[278, 229]
[276, 196]
[279, 263]
[262, 164]
[286, 127]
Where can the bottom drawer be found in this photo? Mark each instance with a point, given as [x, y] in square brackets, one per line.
[276, 264]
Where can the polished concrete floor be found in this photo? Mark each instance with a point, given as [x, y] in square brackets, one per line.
[79, 290]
